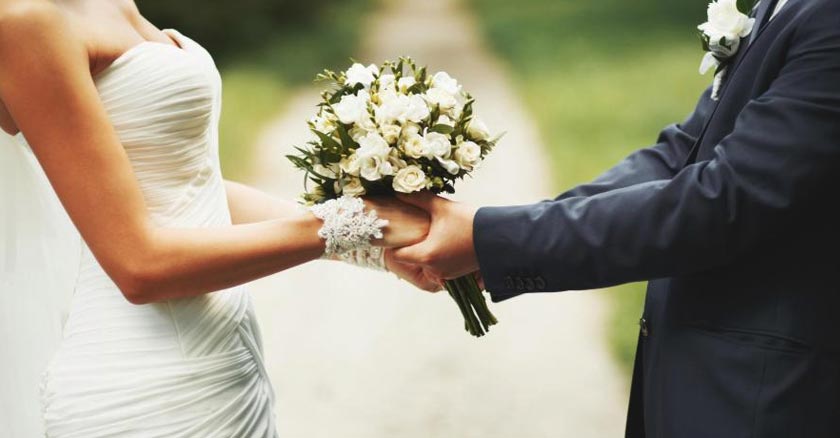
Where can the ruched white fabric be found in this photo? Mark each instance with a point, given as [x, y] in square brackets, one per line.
[183, 368]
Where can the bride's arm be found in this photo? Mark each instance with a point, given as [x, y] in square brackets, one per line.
[46, 84]
[248, 205]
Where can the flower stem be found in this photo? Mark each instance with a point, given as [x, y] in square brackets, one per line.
[453, 292]
[473, 322]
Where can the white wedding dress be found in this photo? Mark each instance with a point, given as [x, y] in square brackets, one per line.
[183, 368]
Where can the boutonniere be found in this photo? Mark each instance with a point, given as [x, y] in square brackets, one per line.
[722, 35]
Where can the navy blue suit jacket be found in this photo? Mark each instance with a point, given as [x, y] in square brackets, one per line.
[733, 217]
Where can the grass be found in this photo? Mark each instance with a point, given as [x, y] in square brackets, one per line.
[259, 78]
[601, 78]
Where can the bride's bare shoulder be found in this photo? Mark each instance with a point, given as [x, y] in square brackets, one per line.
[35, 27]
[30, 24]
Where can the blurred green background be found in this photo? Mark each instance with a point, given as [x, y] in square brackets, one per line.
[601, 77]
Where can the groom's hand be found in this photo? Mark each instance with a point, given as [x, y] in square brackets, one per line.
[448, 251]
[413, 274]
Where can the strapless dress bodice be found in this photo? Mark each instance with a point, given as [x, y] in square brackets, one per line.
[188, 367]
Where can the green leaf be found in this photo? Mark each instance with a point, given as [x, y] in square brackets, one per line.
[443, 129]
[346, 139]
[327, 141]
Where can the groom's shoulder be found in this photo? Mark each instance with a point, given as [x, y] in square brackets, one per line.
[820, 14]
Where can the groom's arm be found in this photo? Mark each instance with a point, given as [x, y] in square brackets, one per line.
[784, 150]
[660, 161]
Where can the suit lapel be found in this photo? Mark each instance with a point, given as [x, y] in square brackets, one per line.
[765, 10]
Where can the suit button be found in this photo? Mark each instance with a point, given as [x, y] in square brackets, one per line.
[520, 285]
[643, 328]
[509, 282]
[539, 282]
[529, 284]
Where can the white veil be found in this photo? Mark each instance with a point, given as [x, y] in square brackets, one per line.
[39, 261]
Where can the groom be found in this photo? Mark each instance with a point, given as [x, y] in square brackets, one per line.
[733, 216]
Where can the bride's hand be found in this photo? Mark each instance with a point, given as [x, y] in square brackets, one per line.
[407, 224]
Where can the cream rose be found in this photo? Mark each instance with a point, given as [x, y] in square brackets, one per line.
[444, 120]
[438, 144]
[468, 154]
[373, 154]
[350, 165]
[391, 133]
[409, 180]
[477, 129]
[353, 187]
[414, 145]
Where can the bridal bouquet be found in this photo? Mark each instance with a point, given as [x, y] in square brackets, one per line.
[397, 128]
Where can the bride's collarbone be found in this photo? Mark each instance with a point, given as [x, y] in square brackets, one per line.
[109, 28]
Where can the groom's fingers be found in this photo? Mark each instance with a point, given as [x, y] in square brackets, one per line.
[415, 254]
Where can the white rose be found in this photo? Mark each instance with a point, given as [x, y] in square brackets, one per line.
[392, 109]
[728, 23]
[353, 187]
[445, 100]
[391, 133]
[350, 187]
[409, 180]
[446, 83]
[353, 109]
[397, 163]
[350, 165]
[359, 74]
[415, 146]
[468, 154]
[357, 133]
[405, 83]
[372, 145]
[417, 109]
[477, 129]
[444, 120]
[438, 144]
[373, 154]
[410, 129]
[450, 165]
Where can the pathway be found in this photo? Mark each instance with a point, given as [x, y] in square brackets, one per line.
[358, 354]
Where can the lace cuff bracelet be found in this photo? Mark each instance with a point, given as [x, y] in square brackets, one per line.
[347, 226]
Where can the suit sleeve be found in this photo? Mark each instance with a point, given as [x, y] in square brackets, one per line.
[660, 161]
[780, 158]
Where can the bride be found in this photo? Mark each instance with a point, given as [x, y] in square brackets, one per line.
[136, 325]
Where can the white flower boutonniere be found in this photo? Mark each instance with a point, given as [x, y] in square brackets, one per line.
[722, 35]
